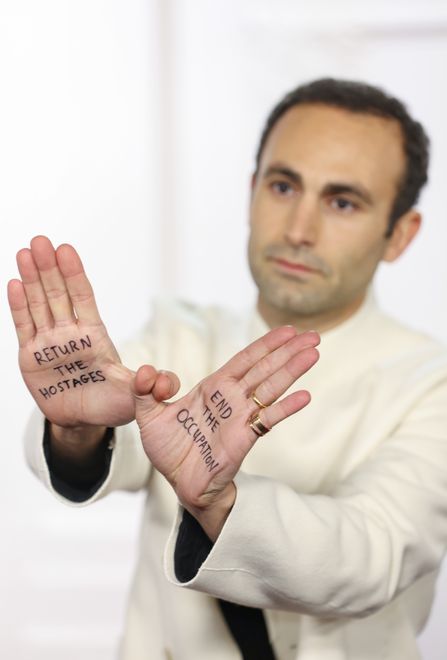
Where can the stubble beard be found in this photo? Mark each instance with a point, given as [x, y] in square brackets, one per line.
[294, 296]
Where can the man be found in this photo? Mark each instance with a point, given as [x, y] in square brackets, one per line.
[329, 532]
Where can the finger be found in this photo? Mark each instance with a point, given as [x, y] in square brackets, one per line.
[238, 366]
[279, 411]
[166, 385]
[272, 362]
[52, 280]
[21, 316]
[78, 285]
[279, 382]
[35, 294]
[144, 380]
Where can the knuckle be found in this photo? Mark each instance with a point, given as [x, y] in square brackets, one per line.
[35, 303]
[81, 297]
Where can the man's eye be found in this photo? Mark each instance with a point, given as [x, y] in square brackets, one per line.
[342, 204]
[282, 187]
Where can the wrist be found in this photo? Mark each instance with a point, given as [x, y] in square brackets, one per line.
[78, 443]
[212, 518]
[75, 435]
[77, 467]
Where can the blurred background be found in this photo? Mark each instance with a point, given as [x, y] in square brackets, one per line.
[129, 128]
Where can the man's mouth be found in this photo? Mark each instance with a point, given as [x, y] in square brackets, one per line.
[293, 266]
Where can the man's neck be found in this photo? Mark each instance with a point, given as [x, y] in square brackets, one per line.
[327, 320]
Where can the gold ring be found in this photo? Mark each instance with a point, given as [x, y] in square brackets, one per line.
[258, 427]
[256, 400]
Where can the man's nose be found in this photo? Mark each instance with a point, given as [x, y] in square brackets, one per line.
[303, 222]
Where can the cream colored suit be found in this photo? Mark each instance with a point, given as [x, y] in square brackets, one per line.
[340, 521]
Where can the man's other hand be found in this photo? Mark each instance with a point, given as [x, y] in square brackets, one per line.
[199, 441]
[66, 357]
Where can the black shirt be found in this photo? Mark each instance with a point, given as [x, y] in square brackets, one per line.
[246, 624]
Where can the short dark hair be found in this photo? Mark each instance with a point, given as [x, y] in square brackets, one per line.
[360, 97]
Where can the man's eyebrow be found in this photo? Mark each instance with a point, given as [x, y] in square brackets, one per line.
[349, 188]
[283, 170]
[336, 188]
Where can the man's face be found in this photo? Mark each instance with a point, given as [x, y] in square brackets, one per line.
[320, 207]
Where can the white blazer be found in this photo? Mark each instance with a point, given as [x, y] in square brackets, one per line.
[340, 520]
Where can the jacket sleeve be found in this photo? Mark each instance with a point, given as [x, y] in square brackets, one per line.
[128, 468]
[347, 553]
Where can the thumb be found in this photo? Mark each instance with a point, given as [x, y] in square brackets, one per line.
[167, 385]
[142, 387]
[161, 384]
[144, 380]
[151, 388]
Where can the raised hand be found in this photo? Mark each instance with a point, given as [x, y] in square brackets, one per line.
[67, 359]
[199, 442]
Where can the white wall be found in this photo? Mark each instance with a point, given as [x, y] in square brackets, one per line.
[129, 128]
[79, 145]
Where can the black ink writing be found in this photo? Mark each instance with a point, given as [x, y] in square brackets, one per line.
[212, 422]
[74, 372]
[72, 383]
[71, 367]
[221, 404]
[50, 353]
[187, 421]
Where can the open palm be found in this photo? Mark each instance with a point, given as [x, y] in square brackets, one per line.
[199, 442]
[67, 359]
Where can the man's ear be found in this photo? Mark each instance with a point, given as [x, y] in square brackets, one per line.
[405, 229]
